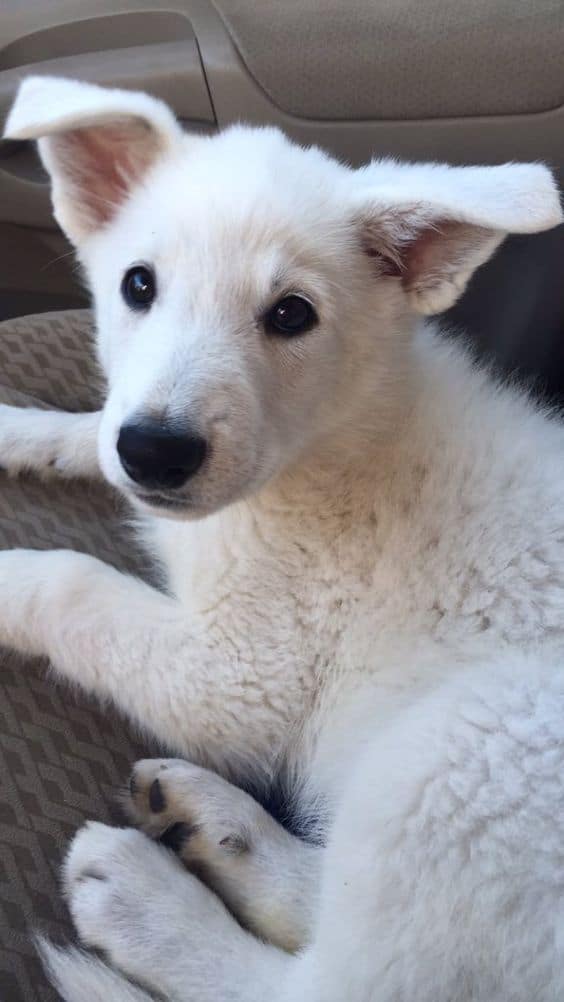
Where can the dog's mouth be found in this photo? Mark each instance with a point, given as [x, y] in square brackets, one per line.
[181, 509]
[159, 501]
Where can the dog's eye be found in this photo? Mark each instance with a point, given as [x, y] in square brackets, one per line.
[290, 316]
[138, 287]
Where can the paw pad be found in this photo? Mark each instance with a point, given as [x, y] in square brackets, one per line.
[157, 801]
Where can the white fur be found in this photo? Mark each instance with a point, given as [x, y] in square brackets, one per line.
[370, 607]
[53, 442]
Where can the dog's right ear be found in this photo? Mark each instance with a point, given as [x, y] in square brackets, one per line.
[96, 144]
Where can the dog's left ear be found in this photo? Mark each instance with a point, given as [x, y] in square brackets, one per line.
[96, 143]
[431, 225]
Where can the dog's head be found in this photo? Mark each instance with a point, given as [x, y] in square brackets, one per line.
[250, 295]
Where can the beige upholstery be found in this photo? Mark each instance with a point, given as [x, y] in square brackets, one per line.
[402, 59]
[61, 760]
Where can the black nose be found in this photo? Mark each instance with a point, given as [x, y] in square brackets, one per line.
[155, 456]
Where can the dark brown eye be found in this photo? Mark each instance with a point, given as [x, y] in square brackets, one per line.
[290, 316]
[139, 287]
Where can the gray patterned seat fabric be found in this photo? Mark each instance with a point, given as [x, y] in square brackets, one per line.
[62, 760]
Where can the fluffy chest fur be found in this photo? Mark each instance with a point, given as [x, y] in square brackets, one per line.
[388, 574]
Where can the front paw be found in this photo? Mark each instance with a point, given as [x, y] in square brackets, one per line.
[133, 899]
[224, 836]
[116, 882]
[194, 810]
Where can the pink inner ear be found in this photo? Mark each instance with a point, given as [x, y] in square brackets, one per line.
[422, 253]
[429, 249]
[103, 163]
[441, 249]
[411, 245]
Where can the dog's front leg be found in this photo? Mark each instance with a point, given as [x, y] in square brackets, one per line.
[48, 442]
[121, 639]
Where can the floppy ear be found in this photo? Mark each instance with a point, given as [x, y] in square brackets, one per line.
[431, 225]
[96, 144]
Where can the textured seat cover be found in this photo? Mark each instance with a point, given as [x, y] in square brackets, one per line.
[402, 59]
[61, 759]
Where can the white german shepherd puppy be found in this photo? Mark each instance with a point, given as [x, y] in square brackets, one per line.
[363, 542]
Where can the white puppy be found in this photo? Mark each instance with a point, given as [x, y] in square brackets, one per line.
[371, 605]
